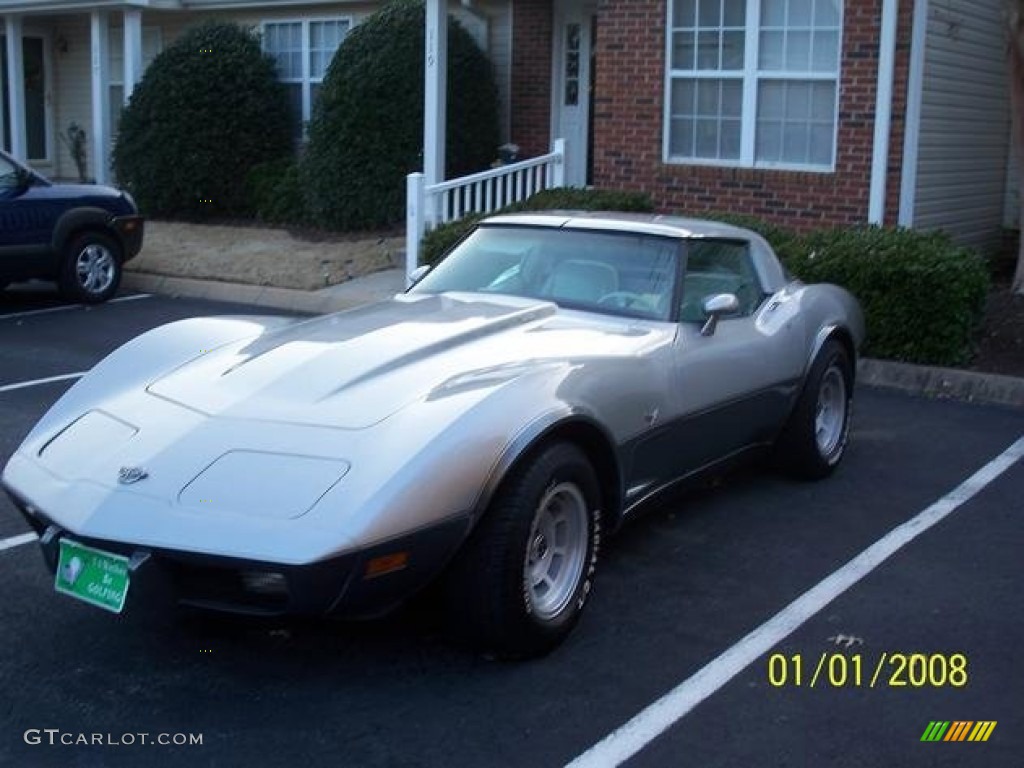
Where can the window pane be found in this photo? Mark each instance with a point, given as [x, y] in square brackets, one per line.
[708, 93]
[732, 98]
[684, 13]
[772, 50]
[707, 50]
[710, 14]
[827, 13]
[707, 139]
[773, 13]
[735, 13]
[732, 50]
[823, 102]
[681, 140]
[821, 145]
[730, 139]
[771, 99]
[798, 102]
[794, 143]
[150, 45]
[684, 50]
[800, 13]
[684, 94]
[798, 51]
[295, 107]
[769, 141]
[826, 52]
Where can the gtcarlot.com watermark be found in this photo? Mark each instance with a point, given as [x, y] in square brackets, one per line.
[56, 737]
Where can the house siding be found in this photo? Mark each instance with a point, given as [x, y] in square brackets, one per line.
[629, 124]
[963, 148]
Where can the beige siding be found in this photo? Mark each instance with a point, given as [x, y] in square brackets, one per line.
[72, 95]
[962, 161]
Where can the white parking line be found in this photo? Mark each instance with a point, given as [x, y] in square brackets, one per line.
[37, 382]
[65, 308]
[17, 541]
[624, 742]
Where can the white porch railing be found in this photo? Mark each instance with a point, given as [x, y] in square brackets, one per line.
[430, 205]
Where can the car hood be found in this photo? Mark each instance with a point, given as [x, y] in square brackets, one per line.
[353, 369]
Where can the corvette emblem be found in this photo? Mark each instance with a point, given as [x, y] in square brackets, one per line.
[129, 475]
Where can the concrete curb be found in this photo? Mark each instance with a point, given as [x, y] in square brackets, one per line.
[949, 383]
[927, 381]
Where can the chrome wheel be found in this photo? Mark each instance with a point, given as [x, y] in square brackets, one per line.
[95, 268]
[556, 550]
[830, 413]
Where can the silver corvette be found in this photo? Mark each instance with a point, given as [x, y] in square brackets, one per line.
[485, 429]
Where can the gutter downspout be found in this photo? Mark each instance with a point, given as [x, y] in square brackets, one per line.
[883, 112]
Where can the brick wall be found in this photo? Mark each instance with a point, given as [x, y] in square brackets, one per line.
[628, 112]
[531, 76]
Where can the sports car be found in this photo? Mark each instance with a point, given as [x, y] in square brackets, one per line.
[483, 431]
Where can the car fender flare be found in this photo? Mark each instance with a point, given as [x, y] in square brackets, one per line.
[537, 432]
[77, 219]
[826, 332]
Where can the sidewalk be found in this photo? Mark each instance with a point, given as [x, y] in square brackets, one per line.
[268, 257]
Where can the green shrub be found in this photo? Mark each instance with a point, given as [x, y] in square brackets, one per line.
[367, 129]
[440, 240]
[275, 192]
[208, 109]
[922, 296]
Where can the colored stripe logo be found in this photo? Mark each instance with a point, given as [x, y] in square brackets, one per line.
[958, 730]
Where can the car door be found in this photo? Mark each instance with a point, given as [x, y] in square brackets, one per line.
[733, 387]
[27, 218]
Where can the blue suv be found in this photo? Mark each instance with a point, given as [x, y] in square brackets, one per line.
[77, 234]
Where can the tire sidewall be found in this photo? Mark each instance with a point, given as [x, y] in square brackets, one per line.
[69, 283]
[833, 355]
[562, 464]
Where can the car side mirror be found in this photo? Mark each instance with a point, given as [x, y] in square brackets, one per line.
[418, 274]
[714, 307]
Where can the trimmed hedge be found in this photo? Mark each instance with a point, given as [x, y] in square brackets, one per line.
[367, 129]
[275, 191]
[922, 296]
[208, 109]
[440, 240]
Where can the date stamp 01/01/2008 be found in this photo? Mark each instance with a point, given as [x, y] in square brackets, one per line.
[836, 669]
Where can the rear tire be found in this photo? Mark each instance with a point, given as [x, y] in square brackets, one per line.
[814, 440]
[520, 583]
[91, 270]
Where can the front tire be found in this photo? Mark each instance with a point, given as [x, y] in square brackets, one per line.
[814, 440]
[91, 270]
[520, 583]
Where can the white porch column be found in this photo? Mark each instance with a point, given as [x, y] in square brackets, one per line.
[99, 38]
[435, 90]
[132, 51]
[16, 88]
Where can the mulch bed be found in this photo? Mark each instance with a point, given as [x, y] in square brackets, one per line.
[1000, 345]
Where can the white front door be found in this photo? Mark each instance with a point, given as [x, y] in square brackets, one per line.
[571, 86]
[37, 89]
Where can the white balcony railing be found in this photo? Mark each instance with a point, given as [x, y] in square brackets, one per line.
[430, 205]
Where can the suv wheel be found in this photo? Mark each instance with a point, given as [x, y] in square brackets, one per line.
[91, 270]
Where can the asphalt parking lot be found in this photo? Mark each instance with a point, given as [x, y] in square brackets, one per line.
[924, 629]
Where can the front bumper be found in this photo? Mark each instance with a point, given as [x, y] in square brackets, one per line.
[130, 229]
[361, 583]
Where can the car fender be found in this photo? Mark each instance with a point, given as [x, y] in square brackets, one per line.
[563, 418]
[77, 219]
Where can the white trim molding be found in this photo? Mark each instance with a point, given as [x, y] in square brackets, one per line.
[883, 112]
[912, 130]
[16, 87]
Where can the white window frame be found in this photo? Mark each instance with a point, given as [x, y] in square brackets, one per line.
[306, 82]
[752, 75]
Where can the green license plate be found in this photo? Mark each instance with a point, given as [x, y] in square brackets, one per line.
[91, 575]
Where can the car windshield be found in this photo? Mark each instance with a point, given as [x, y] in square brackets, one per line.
[619, 273]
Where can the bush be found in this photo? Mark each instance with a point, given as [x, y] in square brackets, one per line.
[367, 129]
[208, 109]
[440, 240]
[276, 193]
[922, 296]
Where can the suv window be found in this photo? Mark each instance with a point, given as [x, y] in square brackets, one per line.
[718, 266]
[8, 174]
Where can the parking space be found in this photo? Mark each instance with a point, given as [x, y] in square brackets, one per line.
[677, 588]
